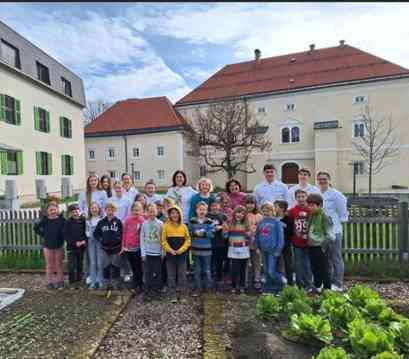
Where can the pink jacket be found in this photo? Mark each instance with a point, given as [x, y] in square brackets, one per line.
[236, 199]
[131, 232]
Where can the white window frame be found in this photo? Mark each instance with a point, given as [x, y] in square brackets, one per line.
[360, 99]
[290, 127]
[261, 110]
[107, 150]
[95, 154]
[140, 175]
[133, 153]
[290, 107]
[157, 151]
[357, 122]
[158, 175]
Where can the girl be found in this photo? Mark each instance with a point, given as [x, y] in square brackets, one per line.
[150, 192]
[226, 204]
[204, 187]
[95, 264]
[253, 218]
[93, 193]
[233, 189]
[239, 235]
[106, 185]
[141, 199]
[123, 204]
[130, 190]
[131, 244]
[51, 229]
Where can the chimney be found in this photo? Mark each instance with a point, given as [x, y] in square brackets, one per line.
[341, 42]
[312, 47]
[257, 55]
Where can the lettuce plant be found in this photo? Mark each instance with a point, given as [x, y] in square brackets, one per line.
[267, 307]
[307, 327]
[387, 355]
[332, 353]
[360, 294]
[377, 310]
[401, 332]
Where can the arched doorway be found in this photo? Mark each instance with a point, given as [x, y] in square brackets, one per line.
[289, 173]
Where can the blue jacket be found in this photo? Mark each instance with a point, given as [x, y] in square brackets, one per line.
[194, 201]
[202, 236]
[269, 236]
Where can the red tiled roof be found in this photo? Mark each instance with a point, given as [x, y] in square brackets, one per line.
[310, 68]
[136, 114]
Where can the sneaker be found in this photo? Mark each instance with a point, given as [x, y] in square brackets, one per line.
[51, 286]
[127, 278]
[233, 291]
[242, 291]
[92, 286]
[88, 280]
[174, 299]
[335, 288]
[59, 285]
[195, 293]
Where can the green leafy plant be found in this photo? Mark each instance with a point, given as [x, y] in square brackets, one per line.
[401, 332]
[298, 306]
[360, 294]
[387, 355]
[377, 310]
[267, 307]
[368, 339]
[339, 311]
[290, 294]
[307, 327]
[332, 353]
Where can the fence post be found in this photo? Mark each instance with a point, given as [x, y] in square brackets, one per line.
[403, 231]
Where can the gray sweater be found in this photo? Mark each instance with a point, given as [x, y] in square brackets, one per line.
[151, 233]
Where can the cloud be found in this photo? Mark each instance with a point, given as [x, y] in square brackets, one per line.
[197, 73]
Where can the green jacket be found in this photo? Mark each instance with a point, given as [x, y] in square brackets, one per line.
[320, 232]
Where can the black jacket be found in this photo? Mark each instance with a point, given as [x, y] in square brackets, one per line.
[219, 240]
[109, 235]
[74, 231]
[52, 231]
[288, 228]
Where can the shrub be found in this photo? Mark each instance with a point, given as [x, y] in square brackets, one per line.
[332, 353]
[267, 306]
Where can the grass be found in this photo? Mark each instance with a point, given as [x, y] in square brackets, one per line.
[33, 260]
[377, 269]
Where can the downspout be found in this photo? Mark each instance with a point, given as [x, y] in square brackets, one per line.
[126, 153]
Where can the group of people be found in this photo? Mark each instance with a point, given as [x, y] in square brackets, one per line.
[264, 240]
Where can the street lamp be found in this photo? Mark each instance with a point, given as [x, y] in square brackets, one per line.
[355, 171]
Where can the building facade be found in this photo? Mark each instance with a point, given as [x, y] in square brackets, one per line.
[41, 119]
[146, 138]
[312, 103]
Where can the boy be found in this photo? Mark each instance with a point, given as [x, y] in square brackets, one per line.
[175, 242]
[269, 240]
[299, 214]
[75, 236]
[109, 235]
[150, 192]
[152, 252]
[220, 242]
[160, 211]
[201, 232]
[288, 228]
[319, 234]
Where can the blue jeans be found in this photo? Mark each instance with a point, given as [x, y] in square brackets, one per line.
[95, 266]
[303, 274]
[336, 262]
[202, 266]
[274, 282]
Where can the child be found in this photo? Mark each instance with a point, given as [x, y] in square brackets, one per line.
[141, 199]
[76, 238]
[219, 245]
[201, 233]
[299, 214]
[204, 187]
[320, 234]
[175, 242]
[270, 242]
[131, 245]
[109, 235]
[160, 211]
[121, 201]
[150, 192]
[95, 265]
[167, 203]
[226, 205]
[288, 228]
[51, 229]
[152, 252]
[253, 217]
[239, 252]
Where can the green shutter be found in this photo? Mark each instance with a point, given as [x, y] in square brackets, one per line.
[19, 156]
[17, 114]
[36, 118]
[47, 121]
[71, 165]
[63, 169]
[69, 128]
[4, 168]
[61, 126]
[50, 163]
[39, 163]
[2, 107]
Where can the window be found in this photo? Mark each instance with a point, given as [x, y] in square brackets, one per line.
[44, 163]
[203, 171]
[11, 162]
[110, 153]
[290, 107]
[360, 99]
[137, 176]
[290, 134]
[161, 174]
[261, 110]
[160, 151]
[10, 54]
[112, 174]
[43, 74]
[359, 129]
[67, 165]
[41, 119]
[66, 86]
[10, 110]
[359, 168]
[136, 152]
[65, 127]
[91, 154]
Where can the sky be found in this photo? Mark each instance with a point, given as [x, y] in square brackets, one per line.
[136, 50]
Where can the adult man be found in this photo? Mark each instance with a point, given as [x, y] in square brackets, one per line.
[304, 175]
[270, 189]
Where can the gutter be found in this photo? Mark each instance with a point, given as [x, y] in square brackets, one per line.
[135, 131]
[126, 153]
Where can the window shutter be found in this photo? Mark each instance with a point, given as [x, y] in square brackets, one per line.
[19, 157]
[2, 107]
[71, 165]
[17, 114]
[3, 163]
[61, 126]
[39, 163]
[50, 163]
[47, 120]
[36, 118]
[69, 128]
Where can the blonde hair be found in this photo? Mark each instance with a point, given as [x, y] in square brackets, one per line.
[169, 201]
[268, 205]
[111, 205]
[137, 205]
[151, 206]
[99, 209]
[202, 180]
[88, 192]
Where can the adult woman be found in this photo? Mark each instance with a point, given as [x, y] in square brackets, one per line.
[92, 193]
[204, 187]
[181, 193]
[106, 185]
[233, 188]
[130, 190]
[335, 207]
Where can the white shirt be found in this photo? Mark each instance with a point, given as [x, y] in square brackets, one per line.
[123, 206]
[152, 199]
[271, 192]
[131, 193]
[291, 193]
[182, 197]
[96, 196]
[335, 207]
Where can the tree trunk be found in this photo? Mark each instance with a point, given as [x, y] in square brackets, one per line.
[370, 178]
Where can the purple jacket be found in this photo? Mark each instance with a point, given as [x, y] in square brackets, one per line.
[236, 199]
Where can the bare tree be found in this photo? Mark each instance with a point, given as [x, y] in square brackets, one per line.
[94, 109]
[227, 134]
[376, 144]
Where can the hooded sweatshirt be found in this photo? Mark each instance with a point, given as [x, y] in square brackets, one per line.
[175, 235]
[201, 232]
[132, 232]
[75, 231]
[270, 236]
[52, 231]
[109, 234]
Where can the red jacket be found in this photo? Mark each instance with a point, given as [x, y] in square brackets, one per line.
[300, 216]
[131, 232]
